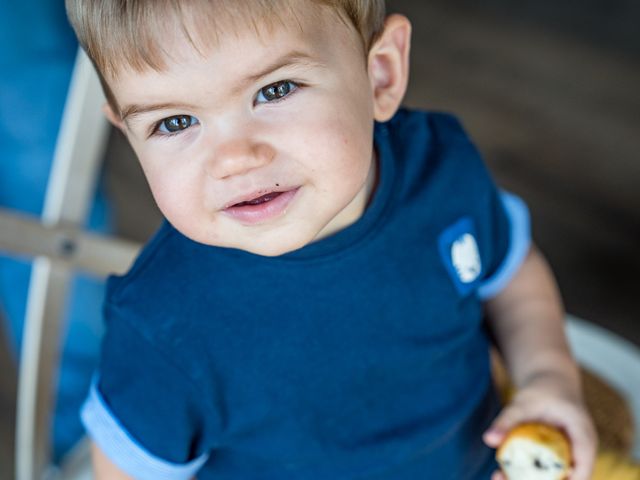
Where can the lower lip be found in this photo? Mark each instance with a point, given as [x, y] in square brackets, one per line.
[253, 214]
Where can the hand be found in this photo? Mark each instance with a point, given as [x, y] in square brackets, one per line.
[548, 403]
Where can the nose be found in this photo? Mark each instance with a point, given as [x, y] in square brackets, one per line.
[237, 157]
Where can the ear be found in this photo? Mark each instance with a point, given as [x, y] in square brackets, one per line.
[113, 117]
[388, 66]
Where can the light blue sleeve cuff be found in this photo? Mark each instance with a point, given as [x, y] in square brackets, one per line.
[519, 245]
[118, 445]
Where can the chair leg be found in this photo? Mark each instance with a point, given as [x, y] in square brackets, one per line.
[71, 188]
[39, 359]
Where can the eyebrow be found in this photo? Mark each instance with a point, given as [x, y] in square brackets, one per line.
[134, 110]
[292, 58]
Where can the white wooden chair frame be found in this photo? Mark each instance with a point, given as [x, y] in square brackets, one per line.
[59, 245]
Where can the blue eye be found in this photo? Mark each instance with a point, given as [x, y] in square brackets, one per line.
[176, 124]
[275, 91]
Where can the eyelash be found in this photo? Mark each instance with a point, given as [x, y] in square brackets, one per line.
[293, 87]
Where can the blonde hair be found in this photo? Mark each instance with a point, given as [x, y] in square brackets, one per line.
[129, 33]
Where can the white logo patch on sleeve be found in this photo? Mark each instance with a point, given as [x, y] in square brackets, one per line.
[466, 258]
[460, 254]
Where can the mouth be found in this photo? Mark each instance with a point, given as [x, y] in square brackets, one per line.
[260, 207]
[262, 199]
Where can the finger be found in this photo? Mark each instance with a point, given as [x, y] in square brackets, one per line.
[584, 447]
[493, 437]
[507, 419]
[584, 452]
[582, 467]
[498, 475]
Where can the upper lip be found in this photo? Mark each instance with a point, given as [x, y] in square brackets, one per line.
[256, 194]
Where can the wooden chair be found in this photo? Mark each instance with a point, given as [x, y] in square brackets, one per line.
[59, 245]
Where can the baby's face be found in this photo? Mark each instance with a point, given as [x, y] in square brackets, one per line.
[262, 144]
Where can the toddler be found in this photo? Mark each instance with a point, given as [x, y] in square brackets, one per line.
[321, 300]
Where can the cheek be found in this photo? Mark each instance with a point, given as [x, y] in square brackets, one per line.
[174, 190]
[339, 129]
[353, 133]
[351, 150]
[346, 167]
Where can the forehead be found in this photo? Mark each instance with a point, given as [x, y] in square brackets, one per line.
[299, 37]
[171, 31]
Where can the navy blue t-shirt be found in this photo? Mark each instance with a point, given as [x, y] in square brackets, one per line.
[360, 356]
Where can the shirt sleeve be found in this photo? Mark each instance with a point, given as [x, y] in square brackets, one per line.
[490, 237]
[512, 226]
[143, 412]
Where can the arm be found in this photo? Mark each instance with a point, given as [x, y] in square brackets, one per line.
[105, 469]
[527, 321]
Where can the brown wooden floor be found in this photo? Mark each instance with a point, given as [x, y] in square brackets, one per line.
[557, 117]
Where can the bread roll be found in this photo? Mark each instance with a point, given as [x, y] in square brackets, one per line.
[535, 451]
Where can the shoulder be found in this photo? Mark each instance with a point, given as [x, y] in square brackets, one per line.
[424, 142]
[427, 127]
[434, 154]
[448, 196]
[167, 275]
[156, 256]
